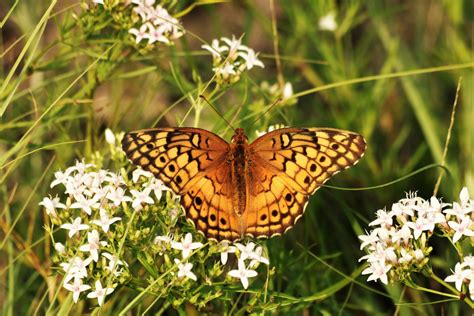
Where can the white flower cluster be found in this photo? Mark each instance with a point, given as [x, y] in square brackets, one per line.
[157, 25]
[243, 252]
[231, 59]
[397, 245]
[463, 274]
[94, 198]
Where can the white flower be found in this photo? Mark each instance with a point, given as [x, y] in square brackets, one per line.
[93, 244]
[109, 136]
[114, 263]
[471, 289]
[158, 187]
[137, 173]
[233, 45]
[257, 257]
[462, 228]
[246, 251]
[243, 274]
[139, 35]
[77, 287]
[215, 49]
[328, 22]
[140, 197]
[105, 221]
[399, 209]
[369, 239]
[418, 227]
[378, 270]
[51, 205]
[80, 167]
[117, 196]
[186, 245]
[184, 270]
[458, 276]
[250, 58]
[76, 268]
[431, 219]
[59, 247]
[225, 250]
[155, 34]
[404, 234]
[383, 218]
[85, 204]
[225, 70]
[100, 292]
[98, 1]
[75, 226]
[61, 178]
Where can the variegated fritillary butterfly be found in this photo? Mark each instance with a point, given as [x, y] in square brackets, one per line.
[239, 189]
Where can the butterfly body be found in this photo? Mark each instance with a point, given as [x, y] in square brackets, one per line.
[231, 190]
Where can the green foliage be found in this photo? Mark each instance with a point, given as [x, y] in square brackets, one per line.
[388, 71]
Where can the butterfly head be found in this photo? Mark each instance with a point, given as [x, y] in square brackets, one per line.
[239, 136]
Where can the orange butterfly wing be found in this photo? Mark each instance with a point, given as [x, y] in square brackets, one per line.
[289, 165]
[192, 162]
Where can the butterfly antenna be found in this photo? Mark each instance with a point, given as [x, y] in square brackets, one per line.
[215, 110]
[267, 110]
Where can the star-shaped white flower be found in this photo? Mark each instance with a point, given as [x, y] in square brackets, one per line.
[51, 204]
[139, 34]
[184, 270]
[258, 258]
[77, 287]
[215, 49]
[105, 221]
[117, 196]
[233, 45]
[75, 226]
[458, 276]
[457, 210]
[186, 245]
[418, 227]
[461, 229]
[76, 268]
[100, 292]
[251, 59]
[155, 34]
[369, 239]
[93, 244]
[383, 218]
[60, 178]
[114, 263]
[86, 204]
[140, 197]
[158, 187]
[378, 271]
[243, 274]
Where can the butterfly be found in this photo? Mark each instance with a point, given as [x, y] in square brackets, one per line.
[237, 189]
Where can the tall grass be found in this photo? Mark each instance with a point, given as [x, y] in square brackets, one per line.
[389, 72]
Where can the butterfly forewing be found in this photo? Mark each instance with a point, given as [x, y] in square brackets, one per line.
[191, 162]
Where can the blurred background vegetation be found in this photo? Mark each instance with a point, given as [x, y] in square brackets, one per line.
[66, 77]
